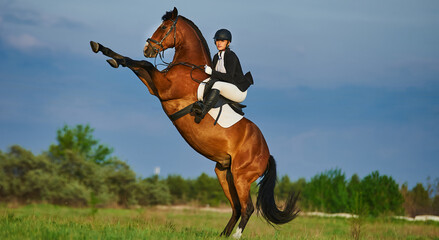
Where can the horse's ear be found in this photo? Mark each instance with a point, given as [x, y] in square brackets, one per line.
[174, 13]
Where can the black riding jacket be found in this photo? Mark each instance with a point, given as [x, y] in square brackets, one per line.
[233, 73]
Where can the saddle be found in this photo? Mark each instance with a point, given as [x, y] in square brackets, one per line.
[237, 107]
[222, 102]
[225, 112]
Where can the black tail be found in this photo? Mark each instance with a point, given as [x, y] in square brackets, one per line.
[266, 204]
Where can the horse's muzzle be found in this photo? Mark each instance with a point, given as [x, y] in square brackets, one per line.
[149, 51]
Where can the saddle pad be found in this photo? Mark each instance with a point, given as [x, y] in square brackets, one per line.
[228, 116]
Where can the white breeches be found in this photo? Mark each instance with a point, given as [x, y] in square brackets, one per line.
[230, 91]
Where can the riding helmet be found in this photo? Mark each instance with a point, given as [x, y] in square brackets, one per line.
[223, 34]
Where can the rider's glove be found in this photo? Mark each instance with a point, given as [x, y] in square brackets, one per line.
[208, 70]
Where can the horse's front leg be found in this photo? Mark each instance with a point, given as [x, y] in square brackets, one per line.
[143, 69]
[117, 59]
[130, 63]
[97, 47]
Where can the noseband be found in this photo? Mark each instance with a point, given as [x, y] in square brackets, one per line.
[158, 50]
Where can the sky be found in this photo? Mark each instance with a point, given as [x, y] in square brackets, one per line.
[341, 84]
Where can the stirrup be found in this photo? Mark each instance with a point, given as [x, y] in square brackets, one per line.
[197, 111]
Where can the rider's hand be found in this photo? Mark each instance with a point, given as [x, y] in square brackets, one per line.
[208, 70]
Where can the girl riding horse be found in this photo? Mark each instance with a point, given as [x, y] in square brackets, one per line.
[226, 78]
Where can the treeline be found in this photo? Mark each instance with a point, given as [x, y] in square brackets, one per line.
[374, 195]
[78, 171]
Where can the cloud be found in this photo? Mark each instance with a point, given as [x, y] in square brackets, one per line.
[23, 41]
[23, 16]
[25, 28]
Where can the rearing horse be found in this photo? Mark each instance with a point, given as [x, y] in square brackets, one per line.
[240, 151]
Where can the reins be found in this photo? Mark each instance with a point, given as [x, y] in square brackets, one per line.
[187, 64]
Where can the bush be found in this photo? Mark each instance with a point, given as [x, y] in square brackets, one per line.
[178, 188]
[121, 182]
[152, 191]
[25, 177]
[71, 193]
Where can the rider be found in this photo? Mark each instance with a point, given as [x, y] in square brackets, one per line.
[226, 78]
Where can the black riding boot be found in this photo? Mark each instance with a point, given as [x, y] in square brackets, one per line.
[209, 102]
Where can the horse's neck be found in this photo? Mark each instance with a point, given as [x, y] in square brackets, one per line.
[191, 50]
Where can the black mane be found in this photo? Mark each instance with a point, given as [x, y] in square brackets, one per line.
[167, 16]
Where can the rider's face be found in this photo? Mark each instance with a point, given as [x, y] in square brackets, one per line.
[221, 44]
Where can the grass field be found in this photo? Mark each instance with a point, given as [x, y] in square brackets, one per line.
[54, 222]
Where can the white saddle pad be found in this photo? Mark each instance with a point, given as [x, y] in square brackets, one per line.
[228, 116]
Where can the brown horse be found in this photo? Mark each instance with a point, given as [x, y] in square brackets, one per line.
[240, 152]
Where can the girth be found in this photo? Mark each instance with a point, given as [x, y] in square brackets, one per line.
[182, 112]
[237, 107]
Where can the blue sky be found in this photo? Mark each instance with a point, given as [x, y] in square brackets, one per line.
[346, 84]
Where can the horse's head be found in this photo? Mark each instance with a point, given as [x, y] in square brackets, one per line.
[164, 37]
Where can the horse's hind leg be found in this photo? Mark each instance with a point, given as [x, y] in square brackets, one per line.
[247, 208]
[245, 169]
[226, 180]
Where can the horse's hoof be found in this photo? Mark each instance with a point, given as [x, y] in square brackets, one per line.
[94, 46]
[113, 63]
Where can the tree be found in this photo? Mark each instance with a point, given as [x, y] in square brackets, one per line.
[207, 190]
[178, 188]
[284, 188]
[121, 181]
[327, 192]
[299, 185]
[24, 176]
[81, 141]
[354, 192]
[408, 204]
[421, 200]
[381, 194]
[152, 191]
[435, 205]
[29, 178]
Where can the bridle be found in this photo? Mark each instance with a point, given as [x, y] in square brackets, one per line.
[161, 52]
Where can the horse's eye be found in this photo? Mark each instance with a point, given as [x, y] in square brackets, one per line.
[164, 27]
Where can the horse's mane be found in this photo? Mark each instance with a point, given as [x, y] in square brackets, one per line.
[168, 16]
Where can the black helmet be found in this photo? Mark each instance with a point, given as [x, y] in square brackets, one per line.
[223, 34]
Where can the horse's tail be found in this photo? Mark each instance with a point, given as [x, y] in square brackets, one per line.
[266, 204]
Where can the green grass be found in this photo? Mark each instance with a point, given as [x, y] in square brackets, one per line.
[54, 222]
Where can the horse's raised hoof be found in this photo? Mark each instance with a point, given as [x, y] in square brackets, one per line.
[113, 63]
[94, 46]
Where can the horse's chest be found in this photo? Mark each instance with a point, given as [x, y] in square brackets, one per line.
[209, 143]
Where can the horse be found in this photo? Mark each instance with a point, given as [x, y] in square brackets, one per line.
[240, 152]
